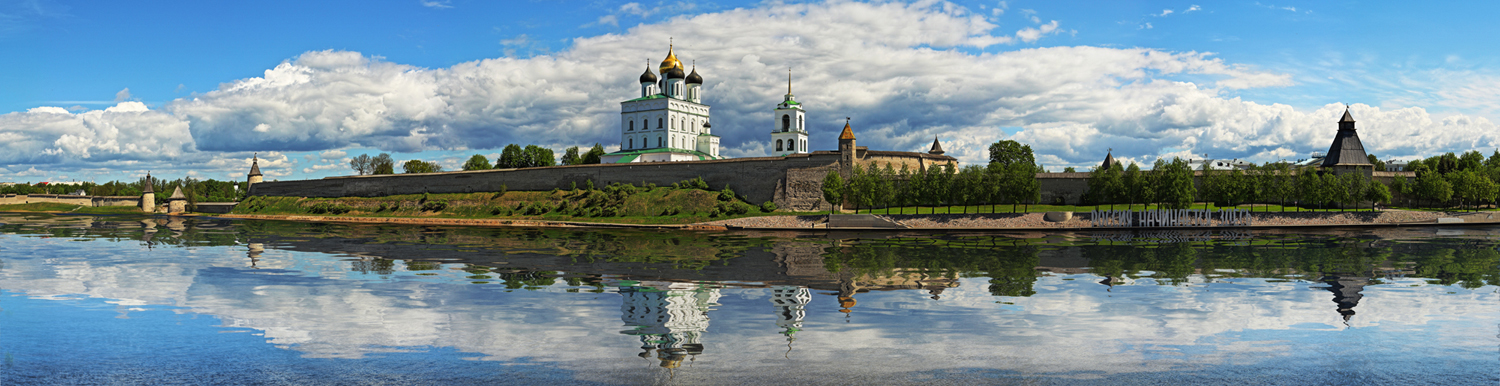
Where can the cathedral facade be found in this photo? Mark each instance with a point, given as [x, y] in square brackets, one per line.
[669, 121]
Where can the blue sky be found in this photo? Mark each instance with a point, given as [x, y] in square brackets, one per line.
[197, 88]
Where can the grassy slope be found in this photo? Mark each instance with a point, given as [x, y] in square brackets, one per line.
[662, 205]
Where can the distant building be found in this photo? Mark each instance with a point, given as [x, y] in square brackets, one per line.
[1219, 164]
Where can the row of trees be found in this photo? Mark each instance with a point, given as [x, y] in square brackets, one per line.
[1010, 178]
[195, 189]
[511, 157]
[1447, 180]
[1170, 185]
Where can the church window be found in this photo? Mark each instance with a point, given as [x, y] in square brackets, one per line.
[786, 123]
[778, 145]
[659, 142]
[658, 123]
[800, 122]
[632, 144]
[632, 125]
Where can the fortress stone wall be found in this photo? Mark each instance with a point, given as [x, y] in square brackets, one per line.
[793, 182]
[71, 200]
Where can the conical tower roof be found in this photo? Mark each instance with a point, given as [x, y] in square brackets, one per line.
[255, 166]
[848, 132]
[177, 194]
[1109, 160]
[1346, 148]
[149, 182]
[937, 148]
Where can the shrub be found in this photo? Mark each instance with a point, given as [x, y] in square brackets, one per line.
[768, 207]
[694, 183]
[434, 206]
[726, 194]
[328, 208]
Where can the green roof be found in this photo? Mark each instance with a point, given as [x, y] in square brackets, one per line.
[645, 98]
[633, 154]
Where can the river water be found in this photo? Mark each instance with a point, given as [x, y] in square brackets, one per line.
[138, 300]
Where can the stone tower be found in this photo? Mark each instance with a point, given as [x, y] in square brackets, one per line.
[177, 203]
[847, 149]
[148, 196]
[1347, 154]
[255, 176]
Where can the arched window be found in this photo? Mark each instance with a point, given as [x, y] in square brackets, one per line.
[659, 141]
[632, 144]
[786, 123]
[632, 125]
[778, 145]
[658, 123]
[800, 122]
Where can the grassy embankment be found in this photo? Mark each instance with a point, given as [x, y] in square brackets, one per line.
[687, 203]
[69, 208]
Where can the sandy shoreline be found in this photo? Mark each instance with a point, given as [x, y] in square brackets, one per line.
[987, 221]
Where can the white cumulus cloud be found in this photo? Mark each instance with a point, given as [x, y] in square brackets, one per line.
[906, 73]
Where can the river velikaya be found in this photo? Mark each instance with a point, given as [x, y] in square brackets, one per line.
[150, 300]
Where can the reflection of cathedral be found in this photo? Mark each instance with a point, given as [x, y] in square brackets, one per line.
[791, 309]
[668, 317]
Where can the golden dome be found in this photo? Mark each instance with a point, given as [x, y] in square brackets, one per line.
[670, 62]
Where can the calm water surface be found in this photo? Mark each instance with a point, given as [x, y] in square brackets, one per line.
[127, 300]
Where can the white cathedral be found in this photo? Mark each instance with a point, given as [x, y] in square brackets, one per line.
[669, 121]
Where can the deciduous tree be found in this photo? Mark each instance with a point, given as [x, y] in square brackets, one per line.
[477, 162]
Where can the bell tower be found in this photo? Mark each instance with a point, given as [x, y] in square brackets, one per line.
[789, 136]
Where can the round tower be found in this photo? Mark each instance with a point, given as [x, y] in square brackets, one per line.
[255, 176]
[148, 196]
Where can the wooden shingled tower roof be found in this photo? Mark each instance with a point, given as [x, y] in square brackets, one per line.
[1346, 148]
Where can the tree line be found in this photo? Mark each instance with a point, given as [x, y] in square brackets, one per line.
[196, 190]
[1442, 181]
[1170, 185]
[513, 156]
[1449, 180]
[1009, 178]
